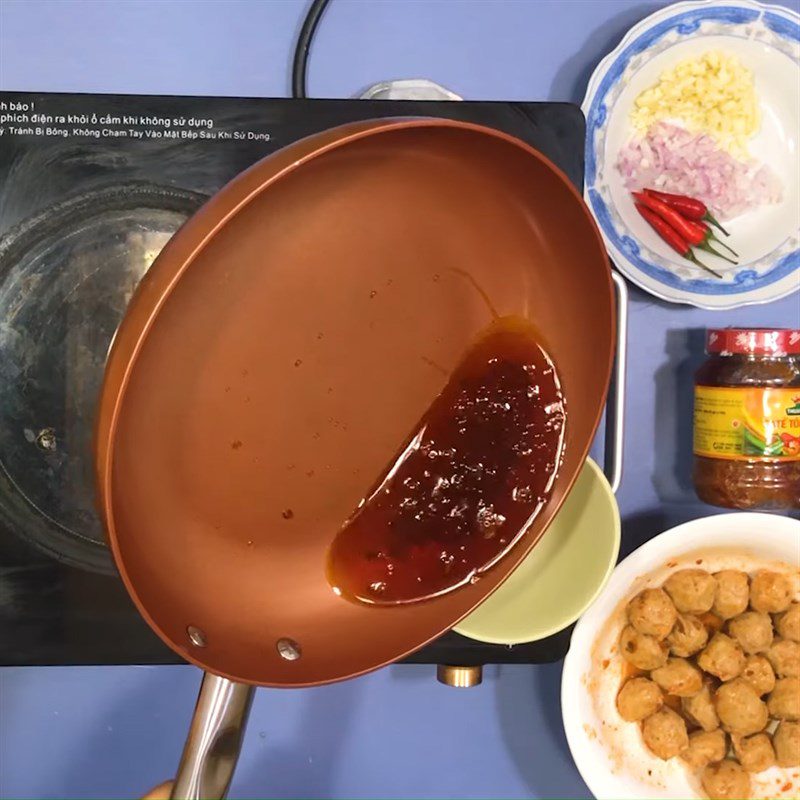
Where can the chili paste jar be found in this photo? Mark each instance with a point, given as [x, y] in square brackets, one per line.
[747, 419]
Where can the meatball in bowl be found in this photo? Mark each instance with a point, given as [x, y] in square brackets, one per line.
[683, 678]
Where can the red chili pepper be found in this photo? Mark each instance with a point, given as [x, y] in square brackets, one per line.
[688, 206]
[711, 237]
[668, 234]
[687, 228]
[695, 233]
[671, 237]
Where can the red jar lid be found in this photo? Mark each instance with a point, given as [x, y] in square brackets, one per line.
[753, 341]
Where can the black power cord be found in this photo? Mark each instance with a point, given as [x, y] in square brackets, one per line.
[300, 63]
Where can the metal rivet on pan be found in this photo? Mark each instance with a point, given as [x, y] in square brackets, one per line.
[288, 649]
[196, 636]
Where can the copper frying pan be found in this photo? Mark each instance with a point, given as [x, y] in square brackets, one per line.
[283, 346]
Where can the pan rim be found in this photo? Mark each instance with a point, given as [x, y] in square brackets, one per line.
[349, 133]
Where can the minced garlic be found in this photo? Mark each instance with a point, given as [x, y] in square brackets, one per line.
[714, 94]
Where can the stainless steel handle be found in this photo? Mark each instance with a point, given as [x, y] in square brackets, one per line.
[615, 405]
[214, 741]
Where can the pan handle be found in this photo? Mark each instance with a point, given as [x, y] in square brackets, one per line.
[214, 741]
[615, 405]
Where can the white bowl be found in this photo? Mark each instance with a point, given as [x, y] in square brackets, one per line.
[766, 39]
[608, 751]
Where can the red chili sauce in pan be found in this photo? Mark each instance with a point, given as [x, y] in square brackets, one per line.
[466, 485]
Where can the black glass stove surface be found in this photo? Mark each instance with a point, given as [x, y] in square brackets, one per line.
[91, 188]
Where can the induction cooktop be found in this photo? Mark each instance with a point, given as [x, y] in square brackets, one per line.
[91, 188]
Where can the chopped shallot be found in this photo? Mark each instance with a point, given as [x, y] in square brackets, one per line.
[671, 159]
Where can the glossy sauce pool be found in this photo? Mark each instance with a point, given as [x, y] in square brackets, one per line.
[467, 483]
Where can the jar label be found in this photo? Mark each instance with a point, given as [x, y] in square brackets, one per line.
[739, 423]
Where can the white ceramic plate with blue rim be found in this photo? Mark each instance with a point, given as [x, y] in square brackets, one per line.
[766, 39]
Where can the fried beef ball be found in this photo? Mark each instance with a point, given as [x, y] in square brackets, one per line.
[679, 677]
[726, 780]
[704, 748]
[752, 630]
[784, 655]
[759, 674]
[732, 595]
[643, 651]
[700, 709]
[722, 657]
[770, 592]
[692, 590]
[665, 733]
[788, 623]
[761, 641]
[755, 753]
[739, 708]
[784, 700]
[651, 612]
[687, 636]
[639, 698]
[786, 741]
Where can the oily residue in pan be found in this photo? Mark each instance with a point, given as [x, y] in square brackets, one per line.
[478, 468]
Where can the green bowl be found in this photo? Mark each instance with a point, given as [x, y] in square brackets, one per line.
[561, 576]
